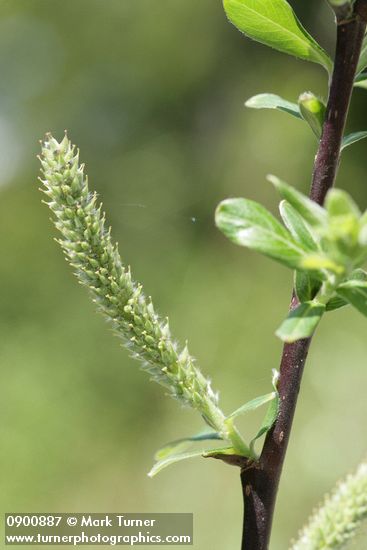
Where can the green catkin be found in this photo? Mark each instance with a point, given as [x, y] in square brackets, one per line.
[97, 264]
[339, 518]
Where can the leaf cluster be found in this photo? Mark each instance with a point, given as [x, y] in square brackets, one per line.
[326, 246]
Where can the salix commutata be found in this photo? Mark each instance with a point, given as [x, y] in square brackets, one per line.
[323, 240]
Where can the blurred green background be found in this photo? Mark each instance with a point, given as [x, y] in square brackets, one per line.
[152, 93]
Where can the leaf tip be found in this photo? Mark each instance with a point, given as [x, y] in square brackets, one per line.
[218, 212]
[274, 180]
[251, 102]
[275, 378]
[152, 472]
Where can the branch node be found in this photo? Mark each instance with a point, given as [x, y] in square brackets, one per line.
[234, 460]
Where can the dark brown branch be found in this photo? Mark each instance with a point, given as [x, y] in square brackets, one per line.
[260, 481]
[349, 41]
[360, 8]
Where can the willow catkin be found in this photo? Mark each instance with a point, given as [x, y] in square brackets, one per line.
[88, 247]
[339, 517]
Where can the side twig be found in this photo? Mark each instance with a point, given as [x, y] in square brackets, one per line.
[260, 480]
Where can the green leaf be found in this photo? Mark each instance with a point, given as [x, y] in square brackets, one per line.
[296, 225]
[318, 262]
[313, 112]
[275, 379]
[220, 450]
[172, 459]
[352, 138]
[362, 63]
[253, 404]
[314, 214]
[247, 223]
[358, 275]
[274, 23]
[338, 302]
[361, 81]
[339, 203]
[273, 101]
[354, 292]
[306, 286]
[301, 322]
[181, 444]
[269, 419]
[344, 226]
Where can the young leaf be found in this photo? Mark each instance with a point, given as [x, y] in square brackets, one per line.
[180, 445]
[220, 450]
[172, 459]
[338, 302]
[274, 23]
[247, 223]
[301, 322]
[253, 404]
[344, 226]
[354, 292]
[352, 138]
[275, 379]
[306, 286]
[297, 226]
[273, 101]
[362, 64]
[313, 112]
[340, 203]
[314, 214]
[318, 262]
[269, 419]
[361, 81]
[358, 275]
